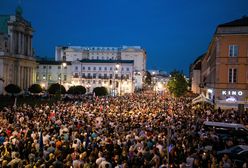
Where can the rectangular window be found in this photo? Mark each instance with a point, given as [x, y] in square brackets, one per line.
[83, 68]
[49, 77]
[50, 67]
[105, 68]
[110, 76]
[83, 75]
[76, 68]
[127, 76]
[59, 67]
[100, 68]
[89, 76]
[127, 69]
[94, 75]
[44, 67]
[94, 68]
[110, 68]
[64, 58]
[232, 74]
[89, 68]
[65, 77]
[233, 50]
[105, 76]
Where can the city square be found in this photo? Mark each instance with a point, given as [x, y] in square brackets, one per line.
[109, 106]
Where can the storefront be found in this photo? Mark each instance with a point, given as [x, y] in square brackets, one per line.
[230, 98]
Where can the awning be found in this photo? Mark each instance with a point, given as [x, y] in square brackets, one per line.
[201, 99]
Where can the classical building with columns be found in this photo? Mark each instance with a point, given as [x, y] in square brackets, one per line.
[17, 61]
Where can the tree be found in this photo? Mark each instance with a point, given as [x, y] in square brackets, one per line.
[80, 89]
[77, 90]
[177, 84]
[56, 88]
[71, 90]
[12, 89]
[35, 88]
[100, 91]
[148, 79]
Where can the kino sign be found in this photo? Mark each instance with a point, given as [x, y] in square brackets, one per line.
[232, 93]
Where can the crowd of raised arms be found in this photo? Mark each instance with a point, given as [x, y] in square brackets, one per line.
[132, 131]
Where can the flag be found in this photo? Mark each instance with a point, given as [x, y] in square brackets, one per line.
[41, 145]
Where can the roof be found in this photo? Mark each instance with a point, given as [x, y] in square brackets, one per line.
[222, 124]
[106, 61]
[53, 62]
[239, 22]
[4, 23]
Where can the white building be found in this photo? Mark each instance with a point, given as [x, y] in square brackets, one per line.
[17, 61]
[49, 72]
[115, 75]
[134, 53]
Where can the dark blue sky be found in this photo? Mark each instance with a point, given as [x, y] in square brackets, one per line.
[174, 32]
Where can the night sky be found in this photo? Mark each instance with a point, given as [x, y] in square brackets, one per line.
[173, 32]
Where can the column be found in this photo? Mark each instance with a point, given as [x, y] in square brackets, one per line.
[21, 77]
[25, 78]
[19, 42]
[30, 76]
[30, 46]
[11, 44]
[23, 43]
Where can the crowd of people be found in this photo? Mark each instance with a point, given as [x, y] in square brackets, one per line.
[133, 131]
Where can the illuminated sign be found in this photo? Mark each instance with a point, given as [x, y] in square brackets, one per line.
[231, 93]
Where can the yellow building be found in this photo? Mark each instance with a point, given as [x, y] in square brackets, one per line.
[224, 68]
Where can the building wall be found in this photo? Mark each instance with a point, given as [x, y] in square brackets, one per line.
[217, 62]
[48, 74]
[135, 53]
[196, 80]
[17, 61]
[89, 75]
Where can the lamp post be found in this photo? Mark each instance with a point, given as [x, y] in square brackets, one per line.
[88, 87]
[60, 76]
[117, 66]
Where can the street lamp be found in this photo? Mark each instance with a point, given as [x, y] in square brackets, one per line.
[117, 66]
[88, 87]
[60, 76]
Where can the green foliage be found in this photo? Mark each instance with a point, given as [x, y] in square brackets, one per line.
[77, 90]
[56, 88]
[12, 89]
[177, 85]
[35, 88]
[100, 91]
[148, 79]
